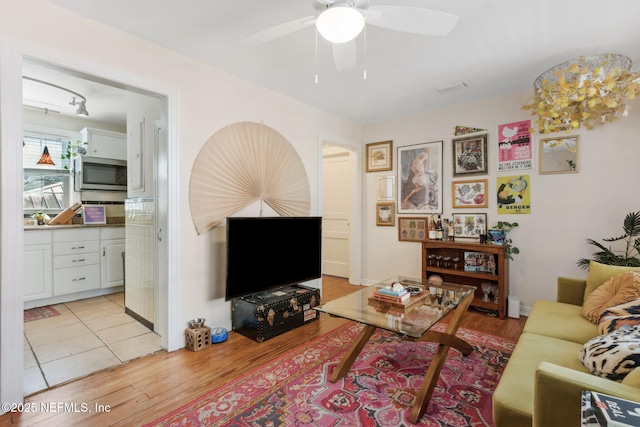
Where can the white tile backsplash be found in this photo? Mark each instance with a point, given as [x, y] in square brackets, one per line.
[140, 257]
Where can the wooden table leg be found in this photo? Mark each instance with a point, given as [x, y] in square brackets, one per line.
[352, 354]
[433, 373]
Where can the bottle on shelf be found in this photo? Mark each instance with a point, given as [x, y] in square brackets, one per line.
[445, 229]
[439, 229]
[451, 232]
[432, 229]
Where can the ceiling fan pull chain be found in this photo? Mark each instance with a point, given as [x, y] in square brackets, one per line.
[316, 56]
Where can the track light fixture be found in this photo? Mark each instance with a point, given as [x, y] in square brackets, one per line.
[82, 107]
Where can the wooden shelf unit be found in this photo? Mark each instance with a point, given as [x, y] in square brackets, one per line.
[459, 275]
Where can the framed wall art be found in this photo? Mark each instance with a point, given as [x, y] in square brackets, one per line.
[380, 156]
[420, 178]
[469, 225]
[470, 193]
[386, 213]
[558, 155]
[386, 189]
[412, 229]
[470, 156]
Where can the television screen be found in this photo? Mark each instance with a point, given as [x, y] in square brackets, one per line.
[268, 252]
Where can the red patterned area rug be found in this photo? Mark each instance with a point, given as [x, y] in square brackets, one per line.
[379, 390]
[40, 313]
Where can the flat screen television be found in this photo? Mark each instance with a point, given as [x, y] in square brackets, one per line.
[265, 253]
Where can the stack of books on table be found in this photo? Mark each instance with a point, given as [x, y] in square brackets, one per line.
[614, 411]
[391, 296]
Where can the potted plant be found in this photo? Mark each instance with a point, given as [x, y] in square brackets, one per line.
[41, 216]
[74, 150]
[631, 255]
[499, 235]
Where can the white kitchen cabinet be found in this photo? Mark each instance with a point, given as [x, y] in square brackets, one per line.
[104, 143]
[112, 244]
[76, 260]
[38, 278]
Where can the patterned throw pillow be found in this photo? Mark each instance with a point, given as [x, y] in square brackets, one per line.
[617, 290]
[614, 318]
[613, 355]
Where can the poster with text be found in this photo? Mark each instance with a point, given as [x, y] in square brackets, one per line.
[514, 194]
[515, 151]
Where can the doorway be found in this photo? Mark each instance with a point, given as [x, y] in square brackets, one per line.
[336, 201]
[12, 54]
[100, 326]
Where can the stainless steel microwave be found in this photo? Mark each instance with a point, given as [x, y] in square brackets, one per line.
[97, 173]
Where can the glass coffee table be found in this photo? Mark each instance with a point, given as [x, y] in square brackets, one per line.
[412, 318]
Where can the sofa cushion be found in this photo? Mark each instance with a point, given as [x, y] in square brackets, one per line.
[616, 317]
[600, 273]
[513, 397]
[560, 320]
[617, 290]
[613, 355]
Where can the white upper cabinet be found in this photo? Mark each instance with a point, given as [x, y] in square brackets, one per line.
[104, 143]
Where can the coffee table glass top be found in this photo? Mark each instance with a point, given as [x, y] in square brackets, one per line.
[412, 317]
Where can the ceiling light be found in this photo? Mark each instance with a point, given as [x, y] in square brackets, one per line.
[46, 159]
[587, 91]
[340, 23]
[82, 108]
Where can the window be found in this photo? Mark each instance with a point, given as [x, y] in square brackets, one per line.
[47, 187]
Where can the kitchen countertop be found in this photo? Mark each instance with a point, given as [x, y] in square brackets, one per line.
[28, 227]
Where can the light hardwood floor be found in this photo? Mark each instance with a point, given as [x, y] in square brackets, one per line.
[145, 389]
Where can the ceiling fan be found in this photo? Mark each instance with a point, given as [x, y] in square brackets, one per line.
[340, 22]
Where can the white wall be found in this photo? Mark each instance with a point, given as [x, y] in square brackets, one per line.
[566, 209]
[209, 99]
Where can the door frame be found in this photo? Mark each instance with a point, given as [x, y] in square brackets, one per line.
[355, 207]
[12, 54]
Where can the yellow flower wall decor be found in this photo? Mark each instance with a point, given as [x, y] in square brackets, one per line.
[587, 91]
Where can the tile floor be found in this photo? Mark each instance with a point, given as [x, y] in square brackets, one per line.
[89, 335]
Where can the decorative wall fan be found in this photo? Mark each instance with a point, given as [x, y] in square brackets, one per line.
[340, 22]
[243, 163]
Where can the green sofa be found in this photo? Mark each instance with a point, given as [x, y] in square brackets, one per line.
[542, 383]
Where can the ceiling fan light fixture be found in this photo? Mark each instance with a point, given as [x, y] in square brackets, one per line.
[340, 23]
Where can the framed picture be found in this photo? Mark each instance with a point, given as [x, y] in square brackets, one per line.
[470, 156]
[470, 194]
[412, 229]
[386, 189]
[469, 225]
[420, 178]
[386, 213]
[558, 155]
[94, 214]
[380, 156]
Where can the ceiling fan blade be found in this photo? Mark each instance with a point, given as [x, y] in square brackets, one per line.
[345, 56]
[414, 20]
[278, 31]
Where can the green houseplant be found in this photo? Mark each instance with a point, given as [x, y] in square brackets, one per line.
[631, 255]
[73, 150]
[499, 235]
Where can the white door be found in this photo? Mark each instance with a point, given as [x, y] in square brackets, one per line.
[336, 199]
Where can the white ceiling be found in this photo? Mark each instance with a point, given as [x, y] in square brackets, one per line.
[497, 47]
